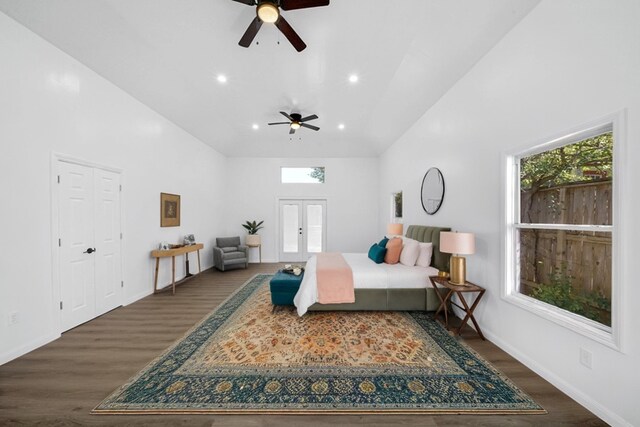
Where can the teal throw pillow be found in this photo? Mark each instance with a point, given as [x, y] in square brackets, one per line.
[377, 253]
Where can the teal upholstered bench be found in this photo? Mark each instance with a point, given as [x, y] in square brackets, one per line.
[284, 287]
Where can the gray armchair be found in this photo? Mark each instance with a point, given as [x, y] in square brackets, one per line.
[229, 254]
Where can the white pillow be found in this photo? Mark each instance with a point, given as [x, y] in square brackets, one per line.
[410, 252]
[426, 251]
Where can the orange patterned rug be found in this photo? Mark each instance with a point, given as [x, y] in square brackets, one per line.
[245, 358]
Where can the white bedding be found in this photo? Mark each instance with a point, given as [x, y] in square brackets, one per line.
[366, 275]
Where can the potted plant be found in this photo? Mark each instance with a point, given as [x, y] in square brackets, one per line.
[252, 227]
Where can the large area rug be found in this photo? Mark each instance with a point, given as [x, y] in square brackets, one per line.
[242, 358]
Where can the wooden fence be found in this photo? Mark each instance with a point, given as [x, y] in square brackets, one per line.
[583, 257]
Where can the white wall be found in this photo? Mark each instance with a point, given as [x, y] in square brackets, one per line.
[351, 191]
[565, 64]
[51, 103]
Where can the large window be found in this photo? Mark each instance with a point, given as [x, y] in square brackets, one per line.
[560, 240]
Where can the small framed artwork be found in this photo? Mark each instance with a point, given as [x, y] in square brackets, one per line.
[189, 240]
[169, 210]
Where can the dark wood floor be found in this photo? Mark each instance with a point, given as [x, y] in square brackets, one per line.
[61, 382]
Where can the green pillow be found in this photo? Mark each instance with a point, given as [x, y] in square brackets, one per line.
[377, 253]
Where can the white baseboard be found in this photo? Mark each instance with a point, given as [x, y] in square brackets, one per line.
[264, 261]
[602, 412]
[21, 351]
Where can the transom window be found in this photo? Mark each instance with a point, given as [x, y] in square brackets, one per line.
[302, 175]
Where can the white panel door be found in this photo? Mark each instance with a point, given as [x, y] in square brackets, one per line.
[89, 246]
[290, 230]
[302, 229]
[77, 272]
[107, 241]
[314, 220]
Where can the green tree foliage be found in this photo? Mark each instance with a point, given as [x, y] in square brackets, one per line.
[317, 173]
[567, 164]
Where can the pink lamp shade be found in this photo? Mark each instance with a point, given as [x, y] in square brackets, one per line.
[394, 229]
[457, 243]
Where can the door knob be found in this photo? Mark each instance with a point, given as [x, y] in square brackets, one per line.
[89, 251]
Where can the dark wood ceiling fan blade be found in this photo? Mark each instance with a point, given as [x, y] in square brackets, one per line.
[309, 126]
[251, 32]
[290, 34]
[286, 115]
[292, 131]
[311, 117]
[279, 123]
[247, 2]
[302, 4]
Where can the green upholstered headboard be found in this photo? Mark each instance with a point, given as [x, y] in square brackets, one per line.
[423, 233]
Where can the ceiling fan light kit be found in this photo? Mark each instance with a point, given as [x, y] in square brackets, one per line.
[268, 11]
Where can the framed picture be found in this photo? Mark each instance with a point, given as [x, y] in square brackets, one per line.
[169, 210]
[189, 240]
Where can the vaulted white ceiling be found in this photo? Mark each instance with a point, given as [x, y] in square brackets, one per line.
[168, 53]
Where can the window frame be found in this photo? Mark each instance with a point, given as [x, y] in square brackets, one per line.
[609, 336]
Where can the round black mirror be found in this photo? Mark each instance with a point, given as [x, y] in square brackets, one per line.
[432, 191]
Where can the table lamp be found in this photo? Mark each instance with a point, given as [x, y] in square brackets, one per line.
[457, 244]
[394, 230]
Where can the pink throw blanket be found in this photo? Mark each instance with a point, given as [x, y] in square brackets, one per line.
[335, 279]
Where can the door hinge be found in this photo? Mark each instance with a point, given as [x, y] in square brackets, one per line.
[122, 283]
[121, 188]
[59, 243]
[120, 236]
[60, 305]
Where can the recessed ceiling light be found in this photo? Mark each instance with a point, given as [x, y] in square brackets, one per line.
[221, 78]
[341, 126]
[353, 78]
[255, 126]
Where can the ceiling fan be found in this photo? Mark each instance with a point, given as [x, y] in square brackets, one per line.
[269, 11]
[296, 121]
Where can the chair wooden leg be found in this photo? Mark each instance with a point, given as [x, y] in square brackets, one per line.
[173, 274]
[155, 281]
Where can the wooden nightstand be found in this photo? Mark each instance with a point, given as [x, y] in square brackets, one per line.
[440, 283]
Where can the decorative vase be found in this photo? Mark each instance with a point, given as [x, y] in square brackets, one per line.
[253, 240]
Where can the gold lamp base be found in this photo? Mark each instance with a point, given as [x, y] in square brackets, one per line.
[458, 270]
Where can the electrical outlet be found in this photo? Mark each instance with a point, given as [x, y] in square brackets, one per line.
[586, 358]
[14, 318]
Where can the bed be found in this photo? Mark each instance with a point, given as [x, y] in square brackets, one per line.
[394, 287]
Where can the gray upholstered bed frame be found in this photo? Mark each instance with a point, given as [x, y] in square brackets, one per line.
[400, 299]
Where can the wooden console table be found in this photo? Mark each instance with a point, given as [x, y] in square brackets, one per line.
[160, 253]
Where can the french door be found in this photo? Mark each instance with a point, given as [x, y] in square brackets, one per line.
[303, 229]
[89, 242]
